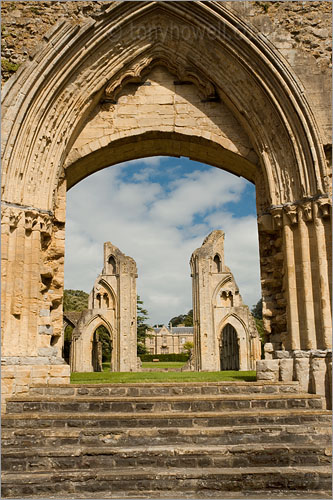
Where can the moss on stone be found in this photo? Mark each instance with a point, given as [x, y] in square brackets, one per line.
[9, 66]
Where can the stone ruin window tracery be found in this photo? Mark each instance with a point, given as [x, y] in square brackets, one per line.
[217, 268]
[227, 299]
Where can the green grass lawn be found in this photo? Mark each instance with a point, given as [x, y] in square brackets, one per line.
[163, 364]
[107, 377]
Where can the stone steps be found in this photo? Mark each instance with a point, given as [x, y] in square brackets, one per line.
[168, 388]
[226, 456]
[238, 437]
[152, 404]
[146, 482]
[118, 437]
[182, 419]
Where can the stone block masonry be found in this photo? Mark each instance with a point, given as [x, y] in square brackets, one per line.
[128, 81]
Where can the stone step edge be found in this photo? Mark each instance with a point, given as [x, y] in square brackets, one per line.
[91, 431]
[170, 384]
[214, 494]
[155, 473]
[285, 412]
[162, 450]
[147, 399]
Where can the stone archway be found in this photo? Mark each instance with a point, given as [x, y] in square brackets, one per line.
[86, 354]
[133, 83]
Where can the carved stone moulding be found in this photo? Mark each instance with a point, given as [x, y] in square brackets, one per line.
[273, 220]
[184, 70]
[33, 219]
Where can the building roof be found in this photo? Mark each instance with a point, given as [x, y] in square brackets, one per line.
[182, 329]
[175, 330]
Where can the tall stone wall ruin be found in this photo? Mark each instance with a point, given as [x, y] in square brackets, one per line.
[266, 65]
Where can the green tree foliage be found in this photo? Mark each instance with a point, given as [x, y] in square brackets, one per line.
[104, 338]
[257, 310]
[183, 319]
[75, 300]
[257, 314]
[188, 346]
[142, 327]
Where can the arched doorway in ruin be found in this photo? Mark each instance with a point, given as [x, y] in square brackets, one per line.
[132, 84]
[86, 353]
[229, 348]
[101, 348]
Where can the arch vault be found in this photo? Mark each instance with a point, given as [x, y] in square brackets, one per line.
[160, 78]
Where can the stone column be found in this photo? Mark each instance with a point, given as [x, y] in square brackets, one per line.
[31, 277]
[291, 287]
[321, 210]
[309, 328]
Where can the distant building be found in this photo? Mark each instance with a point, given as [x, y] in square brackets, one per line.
[170, 340]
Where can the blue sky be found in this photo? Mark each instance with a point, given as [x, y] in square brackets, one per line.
[159, 210]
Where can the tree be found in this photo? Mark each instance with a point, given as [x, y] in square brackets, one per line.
[188, 346]
[257, 314]
[75, 300]
[257, 310]
[183, 319]
[142, 327]
[104, 338]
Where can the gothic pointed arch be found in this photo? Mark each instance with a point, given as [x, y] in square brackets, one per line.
[101, 67]
[215, 90]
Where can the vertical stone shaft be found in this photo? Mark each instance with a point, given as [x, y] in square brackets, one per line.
[324, 341]
[5, 236]
[35, 283]
[291, 289]
[309, 342]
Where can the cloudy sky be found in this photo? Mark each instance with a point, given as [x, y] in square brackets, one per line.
[158, 211]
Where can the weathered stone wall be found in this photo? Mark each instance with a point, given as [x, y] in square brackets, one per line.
[301, 31]
[216, 304]
[112, 303]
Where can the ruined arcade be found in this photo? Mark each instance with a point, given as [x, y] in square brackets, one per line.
[241, 86]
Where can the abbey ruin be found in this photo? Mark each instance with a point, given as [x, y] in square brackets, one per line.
[225, 334]
[241, 86]
[112, 303]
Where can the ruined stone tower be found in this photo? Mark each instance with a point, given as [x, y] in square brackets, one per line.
[112, 303]
[225, 335]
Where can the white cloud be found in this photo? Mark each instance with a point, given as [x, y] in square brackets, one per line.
[159, 223]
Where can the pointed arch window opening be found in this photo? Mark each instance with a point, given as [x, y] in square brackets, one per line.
[217, 267]
[112, 266]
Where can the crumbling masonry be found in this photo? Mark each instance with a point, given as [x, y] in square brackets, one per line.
[230, 84]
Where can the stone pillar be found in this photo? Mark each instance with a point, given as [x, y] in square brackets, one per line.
[302, 369]
[291, 286]
[32, 283]
[329, 380]
[322, 210]
[304, 217]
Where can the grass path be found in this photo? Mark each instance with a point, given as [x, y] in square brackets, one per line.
[107, 377]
